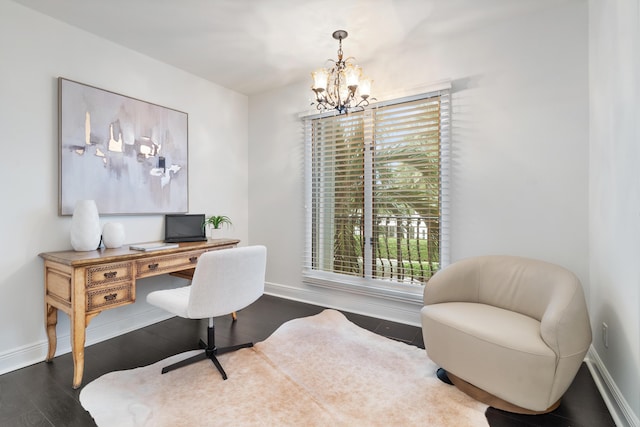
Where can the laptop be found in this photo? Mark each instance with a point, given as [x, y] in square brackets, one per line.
[184, 228]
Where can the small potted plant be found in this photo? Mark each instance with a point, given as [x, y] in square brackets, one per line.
[215, 222]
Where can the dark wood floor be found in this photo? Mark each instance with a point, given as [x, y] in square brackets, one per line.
[41, 395]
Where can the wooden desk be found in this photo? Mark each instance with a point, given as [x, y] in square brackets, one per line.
[83, 284]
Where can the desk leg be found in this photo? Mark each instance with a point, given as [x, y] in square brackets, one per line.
[51, 320]
[78, 334]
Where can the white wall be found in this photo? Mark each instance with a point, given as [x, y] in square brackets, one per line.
[519, 135]
[614, 205]
[34, 51]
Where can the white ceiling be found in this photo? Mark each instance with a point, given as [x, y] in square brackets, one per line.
[254, 45]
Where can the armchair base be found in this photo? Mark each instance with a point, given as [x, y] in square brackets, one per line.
[494, 401]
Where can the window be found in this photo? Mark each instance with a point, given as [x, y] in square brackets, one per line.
[377, 195]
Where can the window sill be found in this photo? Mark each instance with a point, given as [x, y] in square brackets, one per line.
[367, 287]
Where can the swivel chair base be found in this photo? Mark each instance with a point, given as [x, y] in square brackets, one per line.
[210, 352]
[491, 400]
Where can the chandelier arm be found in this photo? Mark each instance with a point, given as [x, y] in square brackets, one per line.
[363, 103]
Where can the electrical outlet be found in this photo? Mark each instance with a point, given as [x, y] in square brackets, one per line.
[605, 335]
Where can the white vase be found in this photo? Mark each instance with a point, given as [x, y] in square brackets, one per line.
[113, 235]
[85, 226]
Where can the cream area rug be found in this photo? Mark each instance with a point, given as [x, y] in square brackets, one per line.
[320, 370]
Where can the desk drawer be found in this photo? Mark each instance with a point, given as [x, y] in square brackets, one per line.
[109, 273]
[110, 296]
[167, 263]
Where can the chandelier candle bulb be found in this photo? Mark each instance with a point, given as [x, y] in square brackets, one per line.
[320, 80]
[365, 87]
[352, 74]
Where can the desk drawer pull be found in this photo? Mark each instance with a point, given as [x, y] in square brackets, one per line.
[110, 297]
[110, 274]
[153, 266]
[193, 259]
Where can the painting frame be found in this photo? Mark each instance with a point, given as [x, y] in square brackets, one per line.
[129, 155]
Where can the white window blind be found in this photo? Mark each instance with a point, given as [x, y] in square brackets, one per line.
[376, 191]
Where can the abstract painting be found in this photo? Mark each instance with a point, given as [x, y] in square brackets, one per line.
[128, 155]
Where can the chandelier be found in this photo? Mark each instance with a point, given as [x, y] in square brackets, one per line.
[342, 87]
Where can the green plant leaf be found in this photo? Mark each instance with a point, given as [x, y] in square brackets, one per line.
[217, 221]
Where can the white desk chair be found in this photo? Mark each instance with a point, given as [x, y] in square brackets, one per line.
[224, 281]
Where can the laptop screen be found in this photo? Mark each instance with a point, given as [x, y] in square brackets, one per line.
[184, 228]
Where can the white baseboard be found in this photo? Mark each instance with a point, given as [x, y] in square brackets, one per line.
[30, 354]
[618, 406]
[407, 312]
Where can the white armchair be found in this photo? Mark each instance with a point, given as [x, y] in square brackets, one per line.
[514, 330]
